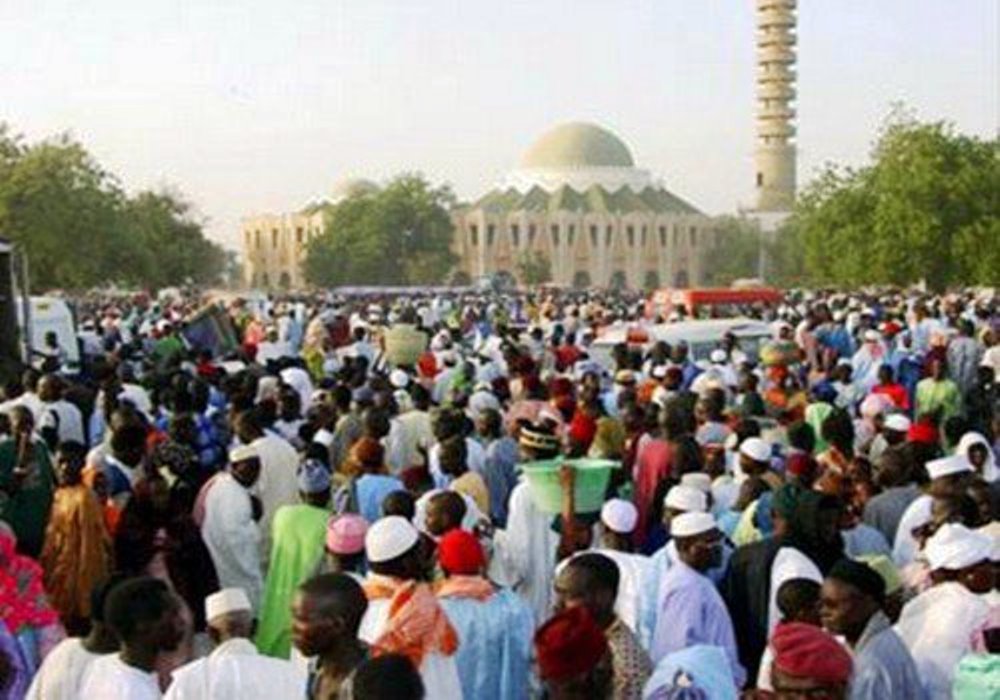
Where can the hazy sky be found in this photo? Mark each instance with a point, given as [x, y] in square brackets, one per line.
[260, 105]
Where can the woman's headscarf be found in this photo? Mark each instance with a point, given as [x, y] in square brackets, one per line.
[22, 594]
[990, 471]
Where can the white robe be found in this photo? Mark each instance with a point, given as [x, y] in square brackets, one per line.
[110, 678]
[525, 552]
[233, 538]
[235, 670]
[438, 672]
[789, 563]
[62, 672]
[937, 627]
[277, 485]
[905, 547]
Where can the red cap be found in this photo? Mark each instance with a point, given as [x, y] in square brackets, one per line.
[805, 651]
[459, 552]
[801, 464]
[583, 428]
[569, 644]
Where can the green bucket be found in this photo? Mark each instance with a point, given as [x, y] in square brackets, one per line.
[589, 487]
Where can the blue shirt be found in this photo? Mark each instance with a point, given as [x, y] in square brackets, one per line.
[883, 666]
[691, 611]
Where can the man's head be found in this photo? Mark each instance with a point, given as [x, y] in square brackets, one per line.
[755, 456]
[454, 454]
[248, 427]
[70, 460]
[50, 388]
[144, 614]
[445, 511]
[589, 580]
[949, 475]
[387, 677]
[698, 540]
[229, 615]
[460, 554]
[852, 593]
[244, 465]
[798, 601]
[326, 613]
[393, 548]
[489, 423]
[808, 662]
[956, 553]
[574, 660]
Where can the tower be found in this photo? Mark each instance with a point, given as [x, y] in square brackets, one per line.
[774, 156]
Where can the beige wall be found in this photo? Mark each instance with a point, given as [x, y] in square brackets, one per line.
[598, 247]
[274, 248]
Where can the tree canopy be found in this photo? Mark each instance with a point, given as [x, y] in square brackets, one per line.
[79, 228]
[925, 208]
[534, 267]
[400, 234]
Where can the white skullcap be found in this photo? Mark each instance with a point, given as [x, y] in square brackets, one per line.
[399, 379]
[697, 480]
[718, 356]
[659, 371]
[946, 466]
[954, 546]
[897, 422]
[872, 336]
[691, 524]
[228, 600]
[388, 538]
[756, 449]
[242, 453]
[323, 437]
[686, 498]
[619, 515]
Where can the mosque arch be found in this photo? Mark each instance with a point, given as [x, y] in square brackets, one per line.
[681, 279]
[618, 280]
[285, 281]
[581, 280]
[652, 280]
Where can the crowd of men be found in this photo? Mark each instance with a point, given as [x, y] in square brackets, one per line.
[307, 515]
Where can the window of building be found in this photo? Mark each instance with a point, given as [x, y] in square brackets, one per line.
[760, 179]
[491, 231]
[630, 236]
[571, 236]
[299, 235]
[643, 236]
[691, 235]
[555, 235]
[531, 234]
[256, 239]
[663, 236]
[515, 235]
[677, 235]
[593, 236]
[474, 234]
[274, 238]
[607, 237]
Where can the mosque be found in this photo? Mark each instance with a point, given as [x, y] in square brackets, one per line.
[579, 201]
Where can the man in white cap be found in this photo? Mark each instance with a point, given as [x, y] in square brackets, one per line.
[755, 460]
[230, 529]
[690, 609]
[636, 586]
[938, 625]
[234, 669]
[949, 477]
[403, 614]
[895, 426]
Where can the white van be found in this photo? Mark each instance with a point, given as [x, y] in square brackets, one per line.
[50, 314]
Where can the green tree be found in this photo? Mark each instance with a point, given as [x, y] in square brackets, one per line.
[735, 253]
[925, 208]
[399, 235]
[534, 267]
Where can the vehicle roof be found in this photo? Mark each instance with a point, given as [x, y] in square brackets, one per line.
[690, 331]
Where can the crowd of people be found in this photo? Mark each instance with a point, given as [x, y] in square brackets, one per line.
[313, 513]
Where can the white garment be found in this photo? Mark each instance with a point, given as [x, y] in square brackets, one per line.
[62, 672]
[525, 552]
[68, 417]
[272, 351]
[439, 672]
[110, 678]
[235, 670]
[233, 538]
[905, 547]
[937, 628]
[409, 433]
[636, 578]
[789, 563]
[475, 459]
[277, 485]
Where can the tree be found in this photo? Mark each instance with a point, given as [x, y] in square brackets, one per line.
[925, 208]
[534, 267]
[399, 235]
[735, 254]
[79, 229]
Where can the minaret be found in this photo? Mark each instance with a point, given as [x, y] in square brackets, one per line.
[774, 156]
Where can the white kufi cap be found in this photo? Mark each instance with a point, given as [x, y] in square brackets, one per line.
[388, 538]
[897, 422]
[619, 515]
[954, 546]
[697, 480]
[228, 600]
[756, 449]
[686, 498]
[691, 524]
[946, 466]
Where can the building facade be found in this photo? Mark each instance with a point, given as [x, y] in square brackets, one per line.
[579, 200]
[274, 245]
